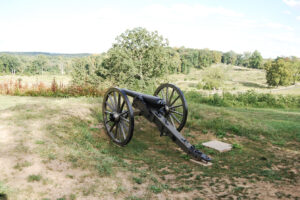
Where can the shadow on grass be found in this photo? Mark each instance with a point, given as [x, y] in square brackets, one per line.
[253, 85]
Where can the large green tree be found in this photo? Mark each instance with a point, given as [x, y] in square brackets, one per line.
[255, 60]
[9, 63]
[86, 70]
[137, 56]
[279, 72]
[229, 58]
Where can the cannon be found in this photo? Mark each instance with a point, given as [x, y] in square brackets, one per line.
[167, 109]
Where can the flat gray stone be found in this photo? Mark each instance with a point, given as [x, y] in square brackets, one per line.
[217, 145]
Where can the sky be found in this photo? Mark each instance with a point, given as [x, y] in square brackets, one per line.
[90, 26]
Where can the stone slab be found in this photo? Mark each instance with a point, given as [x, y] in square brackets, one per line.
[203, 163]
[217, 145]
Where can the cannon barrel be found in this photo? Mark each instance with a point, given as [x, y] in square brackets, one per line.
[152, 100]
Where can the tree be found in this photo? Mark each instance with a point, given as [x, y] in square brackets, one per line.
[216, 56]
[204, 58]
[246, 59]
[86, 70]
[136, 57]
[229, 57]
[279, 72]
[9, 63]
[38, 65]
[295, 65]
[255, 60]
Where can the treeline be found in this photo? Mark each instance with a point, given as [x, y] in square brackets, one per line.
[138, 57]
[182, 58]
[35, 64]
[201, 58]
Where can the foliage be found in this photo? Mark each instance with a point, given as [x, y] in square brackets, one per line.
[214, 78]
[9, 64]
[55, 90]
[281, 71]
[247, 59]
[31, 64]
[255, 60]
[249, 98]
[138, 56]
[229, 57]
[86, 70]
[216, 57]
[244, 59]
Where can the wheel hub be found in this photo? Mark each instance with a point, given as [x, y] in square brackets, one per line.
[115, 117]
[167, 109]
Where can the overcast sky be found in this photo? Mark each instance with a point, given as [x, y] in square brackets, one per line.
[90, 26]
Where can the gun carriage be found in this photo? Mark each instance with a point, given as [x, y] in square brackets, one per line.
[167, 109]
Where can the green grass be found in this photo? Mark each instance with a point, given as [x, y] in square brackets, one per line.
[4, 190]
[263, 139]
[252, 157]
[34, 178]
[236, 79]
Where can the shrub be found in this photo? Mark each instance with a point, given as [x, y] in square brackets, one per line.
[249, 98]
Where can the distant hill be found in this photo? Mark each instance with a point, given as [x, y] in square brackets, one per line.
[46, 54]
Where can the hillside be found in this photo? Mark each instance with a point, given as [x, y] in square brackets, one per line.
[235, 79]
[55, 148]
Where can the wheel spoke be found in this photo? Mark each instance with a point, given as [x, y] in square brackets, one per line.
[107, 112]
[175, 100]
[124, 126]
[167, 94]
[176, 106]
[162, 94]
[122, 130]
[116, 133]
[107, 121]
[124, 112]
[172, 121]
[116, 103]
[122, 106]
[110, 106]
[175, 118]
[171, 97]
[123, 118]
[178, 113]
[111, 101]
[119, 102]
[111, 128]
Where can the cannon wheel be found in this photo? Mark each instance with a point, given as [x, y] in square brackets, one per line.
[176, 104]
[118, 116]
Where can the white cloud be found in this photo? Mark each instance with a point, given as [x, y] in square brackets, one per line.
[298, 18]
[194, 26]
[292, 3]
[287, 12]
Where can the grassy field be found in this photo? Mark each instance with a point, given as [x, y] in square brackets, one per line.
[36, 79]
[236, 79]
[54, 148]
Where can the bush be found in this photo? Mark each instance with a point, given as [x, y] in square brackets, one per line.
[249, 98]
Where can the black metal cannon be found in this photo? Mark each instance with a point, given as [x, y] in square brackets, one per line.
[167, 109]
